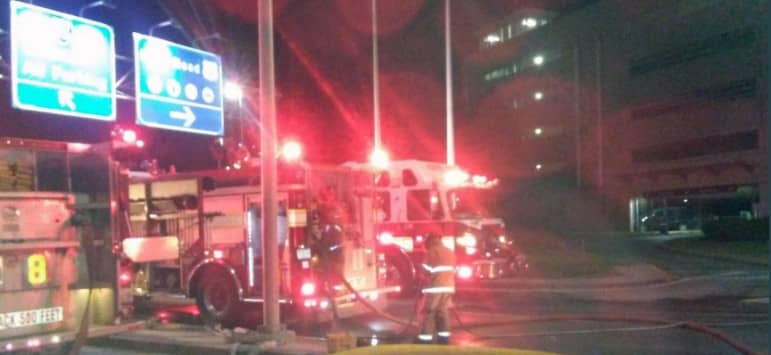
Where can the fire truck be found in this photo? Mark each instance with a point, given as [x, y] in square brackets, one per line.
[414, 198]
[197, 234]
[58, 278]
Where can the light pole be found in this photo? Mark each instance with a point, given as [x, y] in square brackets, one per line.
[270, 270]
[375, 79]
[448, 86]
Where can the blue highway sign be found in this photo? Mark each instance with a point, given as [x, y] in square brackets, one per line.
[61, 64]
[177, 87]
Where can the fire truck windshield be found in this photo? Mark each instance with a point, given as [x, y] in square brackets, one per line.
[468, 202]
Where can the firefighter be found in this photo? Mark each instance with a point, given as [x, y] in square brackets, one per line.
[438, 291]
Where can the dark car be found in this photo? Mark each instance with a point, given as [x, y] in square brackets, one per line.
[669, 218]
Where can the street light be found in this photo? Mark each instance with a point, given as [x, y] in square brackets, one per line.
[233, 91]
[538, 131]
[538, 60]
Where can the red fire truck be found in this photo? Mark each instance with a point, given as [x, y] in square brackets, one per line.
[414, 198]
[56, 230]
[198, 234]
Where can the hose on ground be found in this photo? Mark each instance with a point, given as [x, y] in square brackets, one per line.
[741, 348]
[722, 336]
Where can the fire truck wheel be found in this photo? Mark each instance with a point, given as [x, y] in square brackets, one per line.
[217, 297]
[399, 272]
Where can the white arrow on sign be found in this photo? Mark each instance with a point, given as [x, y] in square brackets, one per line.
[186, 114]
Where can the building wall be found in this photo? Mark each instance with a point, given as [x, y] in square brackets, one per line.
[637, 100]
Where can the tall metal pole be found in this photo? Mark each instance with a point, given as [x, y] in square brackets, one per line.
[270, 270]
[375, 78]
[577, 109]
[448, 77]
[600, 113]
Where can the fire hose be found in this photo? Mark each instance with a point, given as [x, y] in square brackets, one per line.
[741, 348]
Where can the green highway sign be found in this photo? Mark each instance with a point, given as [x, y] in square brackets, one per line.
[62, 64]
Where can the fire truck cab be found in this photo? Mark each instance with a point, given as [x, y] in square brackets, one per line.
[198, 234]
[414, 198]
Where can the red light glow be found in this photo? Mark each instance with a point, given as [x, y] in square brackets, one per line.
[140, 144]
[218, 254]
[291, 151]
[465, 272]
[129, 136]
[386, 238]
[33, 343]
[308, 289]
[125, 278]
[455, 177]
[379, 159]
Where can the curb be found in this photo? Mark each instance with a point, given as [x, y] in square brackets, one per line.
[204, 344]
[755, 304]
[663, 246]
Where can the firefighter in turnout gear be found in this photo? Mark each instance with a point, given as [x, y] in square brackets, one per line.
[438, 291]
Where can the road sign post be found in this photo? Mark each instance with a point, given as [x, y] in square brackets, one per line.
[177, 87]
[62, 64]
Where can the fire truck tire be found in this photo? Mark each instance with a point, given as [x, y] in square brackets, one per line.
[401, 272]
[217, 297]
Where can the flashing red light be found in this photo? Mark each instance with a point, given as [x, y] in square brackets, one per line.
[479, 179]
[386, 238]
[129, 136]
[125, 278]
[292, 151]
[379, 158]
[419, 239]
[308, 289]
[218, 254]
[33, 343]
[465, 272]
[140, 143]
[455, 177]
[163, 315]
[310, 303]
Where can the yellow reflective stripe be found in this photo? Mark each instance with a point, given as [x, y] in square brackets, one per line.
[439, 289]
[425, 337]
[428, 268]
[443, 334]
[297, 217]
[442, 268]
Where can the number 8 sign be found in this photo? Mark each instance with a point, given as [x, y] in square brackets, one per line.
[37, 271]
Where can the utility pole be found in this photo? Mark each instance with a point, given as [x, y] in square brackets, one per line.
[270, 270]
[448, 86]
[375, 79]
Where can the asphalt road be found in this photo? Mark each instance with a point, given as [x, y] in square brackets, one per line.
[631, 319]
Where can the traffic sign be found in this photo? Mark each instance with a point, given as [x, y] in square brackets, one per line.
[61, 64]
[177, 87]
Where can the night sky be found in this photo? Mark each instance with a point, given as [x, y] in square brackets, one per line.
[323, 73]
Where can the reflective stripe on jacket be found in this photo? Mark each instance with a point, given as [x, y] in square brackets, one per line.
[440, 262]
